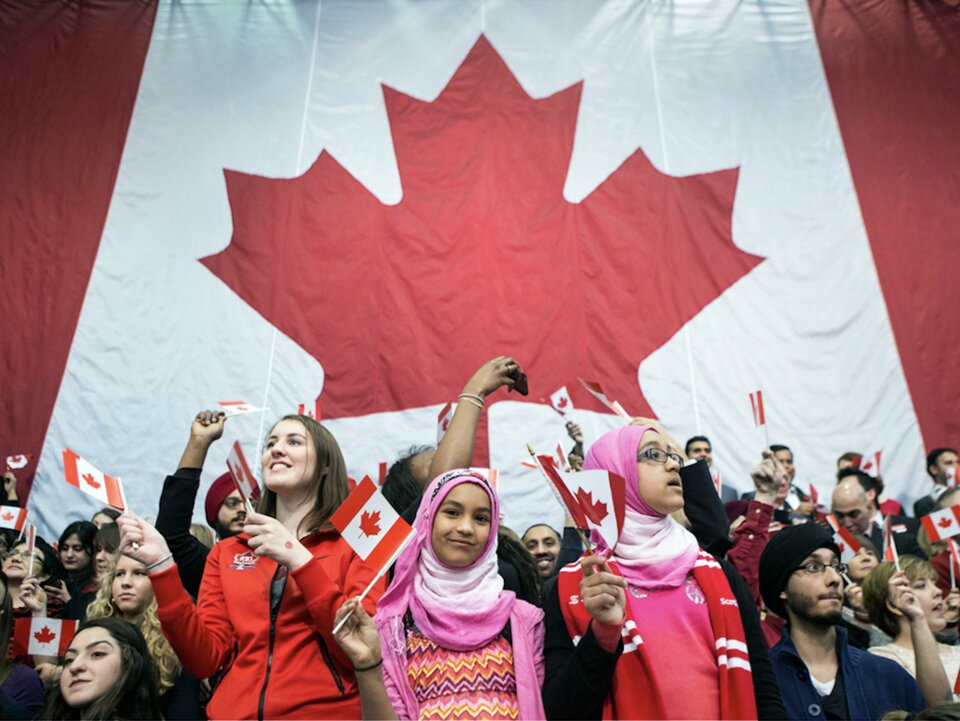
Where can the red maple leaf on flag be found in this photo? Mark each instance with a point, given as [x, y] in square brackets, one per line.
[7, 516]
[44, 635]
[842, 546]
[562, 403]
[370, 523]
[944, 523]
[88, 479]
[593, 510]
[483, 169]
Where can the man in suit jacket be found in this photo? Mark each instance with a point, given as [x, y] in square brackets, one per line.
[938, 461]
[855, 507]
[700, 449]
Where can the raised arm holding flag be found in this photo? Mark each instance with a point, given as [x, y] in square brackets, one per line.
[275, 586]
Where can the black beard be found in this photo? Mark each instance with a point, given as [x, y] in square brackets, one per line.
[224, 531]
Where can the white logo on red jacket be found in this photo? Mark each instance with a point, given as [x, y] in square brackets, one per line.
[243, 561]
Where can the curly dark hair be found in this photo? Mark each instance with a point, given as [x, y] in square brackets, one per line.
[133, 696]
[512, 552]
[400, 487]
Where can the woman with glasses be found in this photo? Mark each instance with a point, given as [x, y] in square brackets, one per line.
[655, 628]
[45, 571]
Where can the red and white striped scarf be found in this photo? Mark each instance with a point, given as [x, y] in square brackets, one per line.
[635, 693]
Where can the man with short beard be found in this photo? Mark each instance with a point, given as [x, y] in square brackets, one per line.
[543, 543]
[820, 675]
[223, 506]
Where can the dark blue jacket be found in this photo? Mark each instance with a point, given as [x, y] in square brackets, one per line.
[873, 685]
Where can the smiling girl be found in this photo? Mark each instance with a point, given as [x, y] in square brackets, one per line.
[265, 612]
[448, 641]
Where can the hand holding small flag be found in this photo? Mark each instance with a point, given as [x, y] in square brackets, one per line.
[142, 542]
[270, 538]
[603, 593]
[903, 598]
[357, 635]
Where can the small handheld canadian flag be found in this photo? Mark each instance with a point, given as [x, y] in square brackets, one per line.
[238, 408]
[375, 531]
[848, 545]
[30, 537]
[943, 524]
[316, 413]
[594, 499]
[243, 479]
[491, 474]
[18, 461]
[759, 417]
[889, 547]
[560, 401]
[597, 392]
[443, 420]
[12, 517]
[869, 463]
[815, 500]
[715, 477]
[42, 636]
[954, 561]
[81, 474]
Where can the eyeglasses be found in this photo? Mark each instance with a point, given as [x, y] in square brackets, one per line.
[658, 455]
[852, 515]
[815, 568]
[233, 502]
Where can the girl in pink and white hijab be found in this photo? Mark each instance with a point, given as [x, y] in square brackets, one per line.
[655, 628]
[448, 641]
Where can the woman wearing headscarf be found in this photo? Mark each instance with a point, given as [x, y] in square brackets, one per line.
[448, 641]
[659, 628]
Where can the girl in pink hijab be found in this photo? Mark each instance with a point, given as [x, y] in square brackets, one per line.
[655, 628]
[447, 640]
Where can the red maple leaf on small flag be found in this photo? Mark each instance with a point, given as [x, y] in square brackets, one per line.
[88, 479]
[842, 546]
[595, 511]
[7, 516]
[944, 523]
[370, 523]
[44, 635]
[562, 403]
[507, 156]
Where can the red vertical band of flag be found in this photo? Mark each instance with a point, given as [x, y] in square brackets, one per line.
[353, 503]
[889, 547]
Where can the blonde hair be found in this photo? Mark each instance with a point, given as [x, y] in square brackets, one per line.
[162, 653]
[202, 533]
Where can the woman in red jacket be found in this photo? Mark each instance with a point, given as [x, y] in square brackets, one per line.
[267, 600]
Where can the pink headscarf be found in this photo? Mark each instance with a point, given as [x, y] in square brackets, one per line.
[458, 608]
[654, 551]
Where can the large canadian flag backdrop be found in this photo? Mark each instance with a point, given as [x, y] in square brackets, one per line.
[685, 201]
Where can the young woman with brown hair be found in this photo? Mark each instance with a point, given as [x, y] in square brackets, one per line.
[268, 596]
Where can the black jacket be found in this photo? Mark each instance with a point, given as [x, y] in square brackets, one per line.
[173, 521]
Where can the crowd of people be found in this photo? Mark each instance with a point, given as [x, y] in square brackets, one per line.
[708, 606]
